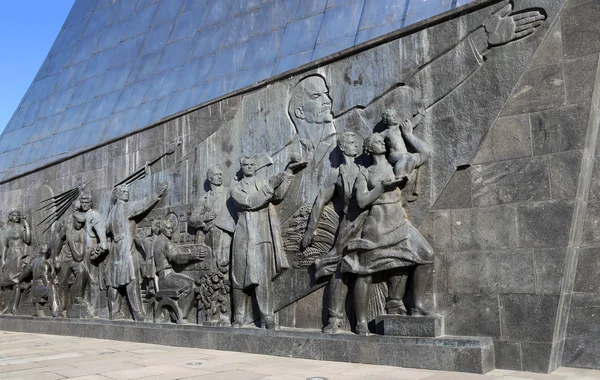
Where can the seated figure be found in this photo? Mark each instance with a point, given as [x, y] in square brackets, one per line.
[43, 288]
[165, 254]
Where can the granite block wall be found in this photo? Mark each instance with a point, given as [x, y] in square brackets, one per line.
[509, 199]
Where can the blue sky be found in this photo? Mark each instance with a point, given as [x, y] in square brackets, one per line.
[27, 30]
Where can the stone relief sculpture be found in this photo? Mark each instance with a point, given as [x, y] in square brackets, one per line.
[340, 186]
[146, 243]
[44, 289]
[388, 242]
[257, 251]
[165, 254]
[214, 217]
[74, 274]
[17, 238]
[121, 268]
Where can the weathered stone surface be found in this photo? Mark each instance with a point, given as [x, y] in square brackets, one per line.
[507, 355]
[476, 313]
[402, 325]
[588, 267]
[535, 356]
[544, 224]
[580, 33]
[550, 50]
[580, 77]
[559, 129]
[519, 180]
[484, 228]
[457, 193]
[452, 354]
[591, 232]
[528, 317]
[565, 169]
[504, 271]
[549, 267]
[509, 137]
[540, 88]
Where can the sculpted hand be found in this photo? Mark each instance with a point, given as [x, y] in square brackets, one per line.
[503, 27]
[276, 180]
[407, 127]
[307, 239]
[391, 185]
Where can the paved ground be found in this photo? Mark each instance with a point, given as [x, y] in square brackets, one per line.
[47, 357]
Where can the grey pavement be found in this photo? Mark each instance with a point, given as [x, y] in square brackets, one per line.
[39, 356]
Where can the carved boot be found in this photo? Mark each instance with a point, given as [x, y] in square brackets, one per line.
[396, 307]
[333, 326]
[362, 328]
[269, 323]
[238, 322]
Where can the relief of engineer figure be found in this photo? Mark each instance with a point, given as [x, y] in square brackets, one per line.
[73, 262]
[121, 269]
[257, 254]
[339, 188]
[96, 248]
[43, 285]
[17, 236]
[165, 254]
[388, 241]
[214, 218]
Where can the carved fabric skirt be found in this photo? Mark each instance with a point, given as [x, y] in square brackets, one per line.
[387, 241]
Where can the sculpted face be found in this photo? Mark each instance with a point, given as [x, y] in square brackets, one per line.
[85, 204]
[248, 167]
[122, 193]
[377, 144]
[15, 216]
[215, 176]
[169, 229]
[316, 105]
[390, 117]
[155, 228]
[350, 146]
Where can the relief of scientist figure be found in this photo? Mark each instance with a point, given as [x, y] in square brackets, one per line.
[165, 254]
[44, 282]
[388, 241]
[257, 248]
[13, 253]
[214, 218]
[121, 269]
[96, 248]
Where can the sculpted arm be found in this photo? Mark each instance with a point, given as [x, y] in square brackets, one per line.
[325, 196]
[364, 196]
[422, 149]
[27, 233]
[143, 205]
[282, 190]
[254, 200]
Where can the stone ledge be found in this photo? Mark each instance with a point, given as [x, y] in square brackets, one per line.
[403, 325]
[448, 353]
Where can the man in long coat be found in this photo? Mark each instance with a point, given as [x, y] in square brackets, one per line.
[121, 270]
[257, 253]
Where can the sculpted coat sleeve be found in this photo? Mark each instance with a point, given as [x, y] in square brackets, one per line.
[254, 200]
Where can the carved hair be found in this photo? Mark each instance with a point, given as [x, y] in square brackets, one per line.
[345, 137]
[117, 191]
[212, 169]
[388, 111]
[85, 195]
[367, 143]
[246, 158]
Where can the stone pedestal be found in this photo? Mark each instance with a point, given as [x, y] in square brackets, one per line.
[430, 326]
[77, 311]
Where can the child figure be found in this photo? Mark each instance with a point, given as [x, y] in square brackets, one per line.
[397, 136]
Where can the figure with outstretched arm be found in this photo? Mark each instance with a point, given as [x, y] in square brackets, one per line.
[121, 271]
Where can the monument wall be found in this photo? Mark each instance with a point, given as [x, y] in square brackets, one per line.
[505, 97]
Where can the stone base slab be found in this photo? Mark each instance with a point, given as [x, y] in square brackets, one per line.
[403, 325]
[464, 354]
